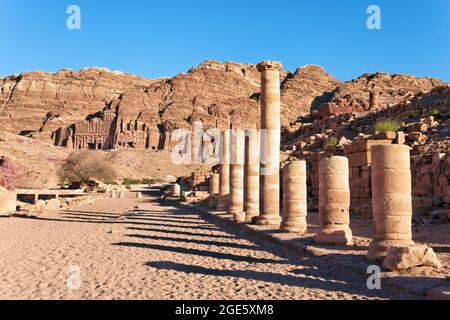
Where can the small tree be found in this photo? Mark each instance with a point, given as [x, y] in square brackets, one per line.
[82, 167]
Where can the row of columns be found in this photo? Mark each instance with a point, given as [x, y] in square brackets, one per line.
[249, 186]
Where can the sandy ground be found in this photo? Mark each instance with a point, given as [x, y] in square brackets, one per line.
[40, 161]
[157, 252]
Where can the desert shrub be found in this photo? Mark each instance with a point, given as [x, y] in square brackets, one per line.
[112, 182]
[147, 181]
[130, 181]
[128, 187]
[157, 180]
[9, 173]
[331, 142]
[81, 167]
[435, 112]
[439, 114]
[387, 125]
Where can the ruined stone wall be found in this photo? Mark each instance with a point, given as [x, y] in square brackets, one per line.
[430, 180]
[430, 175]
[359, 160]
[350, 125]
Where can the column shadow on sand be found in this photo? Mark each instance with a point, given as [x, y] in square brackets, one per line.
[312, 279]
[198, 252]
[201, 242]
[183, 233]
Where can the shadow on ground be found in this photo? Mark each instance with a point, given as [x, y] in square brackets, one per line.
[172, 223]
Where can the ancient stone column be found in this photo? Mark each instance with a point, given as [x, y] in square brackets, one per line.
[176, 190]
[374, 99]
[213, 190]
[270, 143]
[224, 172]
[334, 202]
[251, 175]
[295, 205]
[236, 207]
[391, 199]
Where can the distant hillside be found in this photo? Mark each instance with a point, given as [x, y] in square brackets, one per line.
[37, 103]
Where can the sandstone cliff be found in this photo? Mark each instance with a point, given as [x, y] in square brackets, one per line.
[37, 103]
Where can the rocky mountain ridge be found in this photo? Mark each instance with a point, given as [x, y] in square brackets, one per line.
[37, 103]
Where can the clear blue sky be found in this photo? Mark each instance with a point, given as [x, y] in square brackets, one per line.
[162, 38]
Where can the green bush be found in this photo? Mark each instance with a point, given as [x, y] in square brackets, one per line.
[331, 142]
[387, 125]
[130, 181]
[112, 182]
[438, 114]
[156, 180]
[435, 112]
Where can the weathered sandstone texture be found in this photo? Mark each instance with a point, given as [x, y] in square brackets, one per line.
[294, 197]
[360, 160]
[334, 202]
[391, 199]
[214, 190]
[430, 181]
[236, 205]
[386, 90]
[423, 125]
[305, 90]
[65, 106]
[224, 171]
[400, 258]
[270, 146]
[7, 201]
[251, 174]
[176, 190]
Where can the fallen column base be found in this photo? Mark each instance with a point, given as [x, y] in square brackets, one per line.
[239, 216]
[298, 225]
[335, 234]
[268, 220]
[251, 215]
[378, 248]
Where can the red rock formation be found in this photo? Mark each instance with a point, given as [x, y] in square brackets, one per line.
[43, 105]
[392, 88]
[305, 90]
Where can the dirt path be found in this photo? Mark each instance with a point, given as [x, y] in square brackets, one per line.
[158, 252]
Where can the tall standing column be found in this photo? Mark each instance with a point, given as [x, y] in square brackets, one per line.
[374, 99]
[213, 190]
[334, 202]
[251, 175]
[295, 205]
[270, 143]
[236, 207]
[224, 172]
[391, 199]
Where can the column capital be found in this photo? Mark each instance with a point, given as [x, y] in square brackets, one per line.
[268, 65]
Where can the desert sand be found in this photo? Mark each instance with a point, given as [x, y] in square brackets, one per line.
[158, 252]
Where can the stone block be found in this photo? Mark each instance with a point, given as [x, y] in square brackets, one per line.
[7, 201]
[400, 258]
